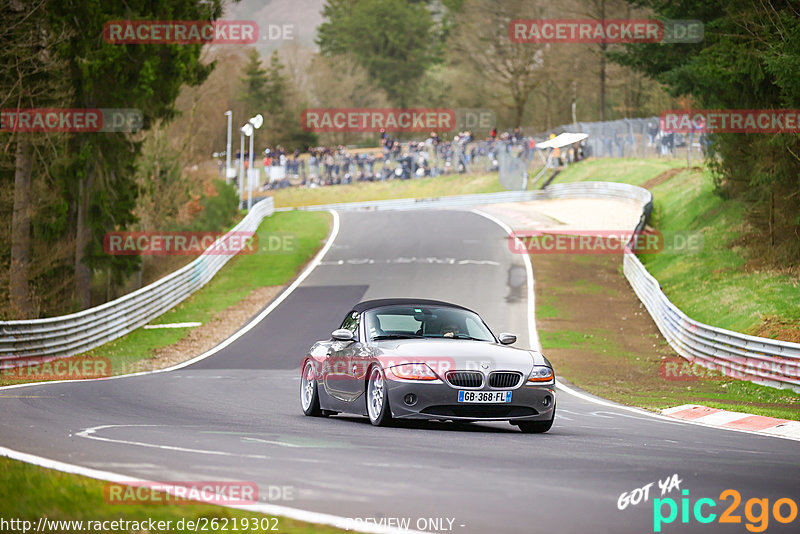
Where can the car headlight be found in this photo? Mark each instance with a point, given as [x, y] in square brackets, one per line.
[413, 371]
[540, 373]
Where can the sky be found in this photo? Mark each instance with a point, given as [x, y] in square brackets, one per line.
[302, 15]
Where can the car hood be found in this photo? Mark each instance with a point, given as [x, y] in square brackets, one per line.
[458, 354]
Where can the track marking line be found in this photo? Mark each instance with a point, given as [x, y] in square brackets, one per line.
[430, 260]
[90, 433]
[267, 509]
[191, 324]
[272, 442]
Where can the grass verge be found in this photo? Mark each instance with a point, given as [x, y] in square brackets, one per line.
[450, 184]
[721, 284]
[66, 497]
[628, 170]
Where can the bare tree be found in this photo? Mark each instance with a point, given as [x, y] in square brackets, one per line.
[601, 11]
[480, 42]
[27, 80]
[338, 81]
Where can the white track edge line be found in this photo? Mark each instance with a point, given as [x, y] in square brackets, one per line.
[267, 509]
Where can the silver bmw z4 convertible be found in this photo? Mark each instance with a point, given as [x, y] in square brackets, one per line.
[426, 359]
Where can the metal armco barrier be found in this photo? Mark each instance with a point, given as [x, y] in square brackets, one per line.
[576, 190]
[758, 359]
[67, 335]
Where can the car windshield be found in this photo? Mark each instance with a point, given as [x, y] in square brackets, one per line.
[407, 322]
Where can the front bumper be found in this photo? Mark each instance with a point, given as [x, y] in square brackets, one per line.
[439, 400]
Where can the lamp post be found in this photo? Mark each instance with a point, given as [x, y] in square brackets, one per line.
[254, 123]
[250, 171]
[241, 164]
[229, 114]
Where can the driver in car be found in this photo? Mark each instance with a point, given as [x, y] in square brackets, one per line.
[449, 330]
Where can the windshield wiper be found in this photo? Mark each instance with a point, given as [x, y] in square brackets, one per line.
[464, 336]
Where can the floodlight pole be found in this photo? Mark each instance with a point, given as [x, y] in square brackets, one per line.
[250, 172]
[241, 167]
[253, 124]
[229, 114]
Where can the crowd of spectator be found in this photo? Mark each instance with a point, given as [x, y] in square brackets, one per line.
[462, 152]
[393, 160]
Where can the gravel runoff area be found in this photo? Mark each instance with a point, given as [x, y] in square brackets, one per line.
[568, 214]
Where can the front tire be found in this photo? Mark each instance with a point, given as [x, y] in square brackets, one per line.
[537, 427]
[378, 398]
[309, 396]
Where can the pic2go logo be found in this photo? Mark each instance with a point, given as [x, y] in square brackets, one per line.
[783, 511]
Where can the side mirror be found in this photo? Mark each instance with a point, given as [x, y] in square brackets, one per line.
[507, 339]
[342, 334]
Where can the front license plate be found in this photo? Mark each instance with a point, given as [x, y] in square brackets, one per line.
[484, 397]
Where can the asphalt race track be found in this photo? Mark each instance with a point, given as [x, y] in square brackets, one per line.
[236, 415]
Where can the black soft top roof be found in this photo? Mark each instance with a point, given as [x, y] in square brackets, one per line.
[379, 303]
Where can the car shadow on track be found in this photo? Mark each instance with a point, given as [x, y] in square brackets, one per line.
[440, 426]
